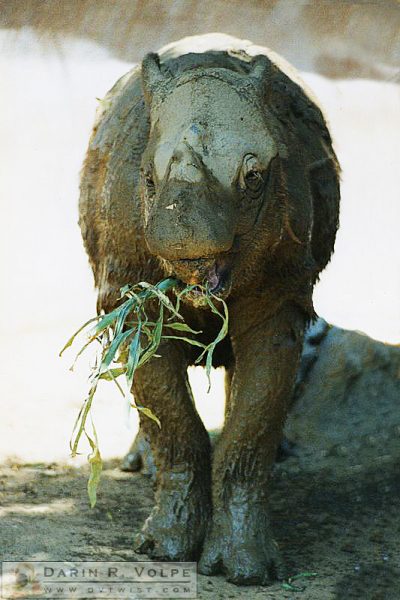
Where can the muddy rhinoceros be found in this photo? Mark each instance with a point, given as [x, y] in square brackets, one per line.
[214, 166]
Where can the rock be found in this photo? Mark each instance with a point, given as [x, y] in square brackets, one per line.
[346, 404]
[345, 411]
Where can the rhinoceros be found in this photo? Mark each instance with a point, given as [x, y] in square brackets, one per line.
[216, 167]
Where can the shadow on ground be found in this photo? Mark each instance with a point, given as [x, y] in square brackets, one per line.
[345, 529]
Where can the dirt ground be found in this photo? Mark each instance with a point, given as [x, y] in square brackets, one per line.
[343, 526]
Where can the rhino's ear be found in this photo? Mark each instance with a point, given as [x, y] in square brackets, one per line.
[152, 77]
[261, 70]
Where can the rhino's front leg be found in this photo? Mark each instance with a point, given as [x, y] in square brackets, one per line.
[239, 542]
[176, 526]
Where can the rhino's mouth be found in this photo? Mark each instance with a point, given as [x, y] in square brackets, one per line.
[215, 274]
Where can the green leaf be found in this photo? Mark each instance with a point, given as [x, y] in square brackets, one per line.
[168, 284]
[124, 290]
[187, 340]
[105, 321]
[148, 412]
[96, 466]
[292, 588]
[181, 327]
[71, 339]
[81, 420]
[123, 355]
[119, 387]
[113, 349]
[222, 333]
[156, 291]
[158, 328]
[155, 342]
[134, 353]
[112, 374]
[81, 351]
[288, 585]
[126, 308]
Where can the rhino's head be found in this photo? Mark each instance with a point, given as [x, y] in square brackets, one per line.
[206, 172]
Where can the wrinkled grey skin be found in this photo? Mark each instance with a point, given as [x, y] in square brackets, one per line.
[216, 169]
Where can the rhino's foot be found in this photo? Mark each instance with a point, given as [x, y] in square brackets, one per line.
[240, 545]
[176, 527]
[139, 457]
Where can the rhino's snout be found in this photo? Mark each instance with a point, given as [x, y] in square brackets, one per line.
[188, 221]
[172, 244]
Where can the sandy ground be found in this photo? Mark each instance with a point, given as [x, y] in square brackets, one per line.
[344, 528]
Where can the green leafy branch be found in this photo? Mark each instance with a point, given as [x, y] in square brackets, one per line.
[128, 339]
[290, 586]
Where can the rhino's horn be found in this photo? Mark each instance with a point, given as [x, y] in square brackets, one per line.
[152, 77]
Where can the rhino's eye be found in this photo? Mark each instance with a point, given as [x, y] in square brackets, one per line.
[149, 182]
[251, 179]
